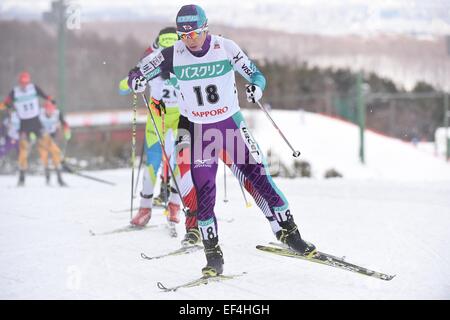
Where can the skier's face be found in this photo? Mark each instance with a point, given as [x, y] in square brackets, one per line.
[195, 43]
[24, 80]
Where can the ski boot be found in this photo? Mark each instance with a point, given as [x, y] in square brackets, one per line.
[214, 258]
[47, 176]
[142, 217]
[172, 213]
[191, 238]
[174, 210]
[290, 236]
[21, 182]
[163, 194]
[60, 180]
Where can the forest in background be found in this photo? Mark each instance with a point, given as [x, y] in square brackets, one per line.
[95, 65]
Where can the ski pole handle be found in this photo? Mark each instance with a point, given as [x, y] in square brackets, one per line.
[295, 153]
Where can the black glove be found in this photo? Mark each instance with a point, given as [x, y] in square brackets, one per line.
[158, 106]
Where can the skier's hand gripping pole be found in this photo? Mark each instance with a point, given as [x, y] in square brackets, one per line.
[166, 158]
[295, 153]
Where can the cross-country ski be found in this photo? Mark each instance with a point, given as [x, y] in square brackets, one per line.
[129, 228]
[326, 259]
[200, 281]
[181, 251]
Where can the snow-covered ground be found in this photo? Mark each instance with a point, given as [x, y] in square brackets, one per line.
[329, 143]
[392, 215]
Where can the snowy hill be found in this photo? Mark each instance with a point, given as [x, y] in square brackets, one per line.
[329, 143]
[391, 216]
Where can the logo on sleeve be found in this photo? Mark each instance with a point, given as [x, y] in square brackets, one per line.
[237, 57]
[151, 62]
[247, 70]
[156, 61]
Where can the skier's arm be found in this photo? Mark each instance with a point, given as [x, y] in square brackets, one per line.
[157, 63]
[41, 94]
[242, 64]
[156, 102]
[8, 102]
[149, 68]
[157, 87]
[62, 120]
[148, 51]
[124, 89]
[65, 127]
[248, 70]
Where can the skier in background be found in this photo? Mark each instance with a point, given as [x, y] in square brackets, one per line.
[204, 66]
[52, 121]
[170, 113]
[165, 38]
[24, 99]
[9, 133]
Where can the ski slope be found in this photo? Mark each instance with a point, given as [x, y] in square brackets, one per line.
[391, 216]
[330, 143]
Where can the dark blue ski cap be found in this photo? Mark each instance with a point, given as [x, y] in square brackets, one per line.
[191, 17]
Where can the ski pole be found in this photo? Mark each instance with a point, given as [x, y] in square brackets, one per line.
[72, 171]
[247, 204]
[133, 151]
[165, 165]
[139, 168]
[225, 199]
[185, 208]
[63, 151]
[295, 152]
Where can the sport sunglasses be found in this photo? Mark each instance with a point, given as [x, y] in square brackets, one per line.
[194, 34]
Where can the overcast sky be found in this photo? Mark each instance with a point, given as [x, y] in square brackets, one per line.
[432, 16]
[40, 5]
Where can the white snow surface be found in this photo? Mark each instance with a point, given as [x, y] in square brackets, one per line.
[332, 143]
[391, 215]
